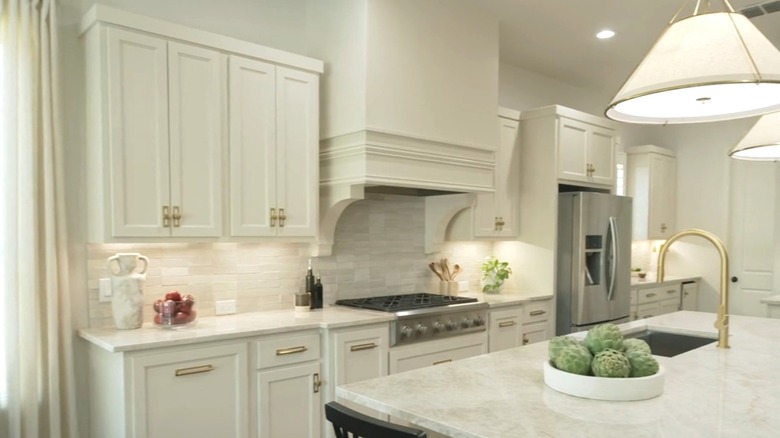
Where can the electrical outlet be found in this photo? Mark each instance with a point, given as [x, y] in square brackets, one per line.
[225, 307]
[104, 290]
[463, 286]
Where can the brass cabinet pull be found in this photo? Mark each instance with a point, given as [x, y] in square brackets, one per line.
[650, 295]
[273, 217]
[663, 228]
[361, 347]
[176, 216]
[495, 223]
[538, 312]
[194, 370]
[500, 223]
[293, 350]
[317, 383]
[506, 324]
[282, 217]
[671, 291]
[525, 340]
[442, 361]
[166, 216]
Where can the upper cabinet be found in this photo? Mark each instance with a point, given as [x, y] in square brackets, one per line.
[274, 148]
[189, 131]
[586, 151]
[652, 182]
[495, 214]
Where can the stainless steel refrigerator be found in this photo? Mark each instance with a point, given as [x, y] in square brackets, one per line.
[594, 260]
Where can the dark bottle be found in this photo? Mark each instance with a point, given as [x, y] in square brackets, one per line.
[316, 295]
[309, 281]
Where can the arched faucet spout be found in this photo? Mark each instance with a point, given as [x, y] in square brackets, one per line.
[722, 321]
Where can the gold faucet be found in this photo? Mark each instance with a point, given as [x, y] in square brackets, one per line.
[722, 321]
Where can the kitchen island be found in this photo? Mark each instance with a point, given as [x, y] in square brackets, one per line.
[709, 392]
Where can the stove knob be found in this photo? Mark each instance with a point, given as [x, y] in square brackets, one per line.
[478, 321]
[466, 323]
[421, 329]
[406, 332]
[451, 325]
[438, 327]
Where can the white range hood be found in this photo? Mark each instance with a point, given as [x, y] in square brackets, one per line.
[409, 105]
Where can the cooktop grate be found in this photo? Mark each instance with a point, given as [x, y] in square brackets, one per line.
[397, 303]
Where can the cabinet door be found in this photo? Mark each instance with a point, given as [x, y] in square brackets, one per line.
[289, 402]
[536, 332]
[573, 150]
[690, 296]
[662, 197]
[495, 213]
[412, 357]
[361, 354]
[252, 106]
[196, 90]
[601, 155]
[297, 149]
[137, 85]
[505, 329]
[190, 392]
[668, 306]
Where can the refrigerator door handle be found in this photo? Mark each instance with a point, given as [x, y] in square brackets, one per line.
[614, 255]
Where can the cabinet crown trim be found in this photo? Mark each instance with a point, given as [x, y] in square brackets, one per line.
[105, 14]
[648, 148]
[562, 111]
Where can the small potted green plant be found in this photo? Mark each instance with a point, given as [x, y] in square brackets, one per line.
[494, 273]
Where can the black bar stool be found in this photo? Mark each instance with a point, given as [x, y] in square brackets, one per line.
[346, 421]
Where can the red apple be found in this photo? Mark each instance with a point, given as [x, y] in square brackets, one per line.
[173, 296]
[180, 318]
[158, 319]
[193, 314]
[157, 306]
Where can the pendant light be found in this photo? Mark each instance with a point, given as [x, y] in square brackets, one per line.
[762, 141]
[710, 66]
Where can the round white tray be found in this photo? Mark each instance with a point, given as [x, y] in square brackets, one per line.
[604, 388]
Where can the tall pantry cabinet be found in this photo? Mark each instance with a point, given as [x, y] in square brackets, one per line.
[192, 134]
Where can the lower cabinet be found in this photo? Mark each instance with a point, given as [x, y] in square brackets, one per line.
[523, 324]
[653, 301]
[289, 382]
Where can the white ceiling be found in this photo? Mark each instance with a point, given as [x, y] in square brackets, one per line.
[556, 38]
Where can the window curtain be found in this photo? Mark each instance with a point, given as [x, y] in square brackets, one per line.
[37, 383]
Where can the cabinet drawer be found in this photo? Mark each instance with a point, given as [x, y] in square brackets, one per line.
[650, 295]
[288, 349]
[537, 311]
[671, 292]
[646, 310]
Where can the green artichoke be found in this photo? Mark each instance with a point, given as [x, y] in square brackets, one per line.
[642, 363]
[631, 344]
[602, 337]
[557, 343]
[610, 363]
[574, 358]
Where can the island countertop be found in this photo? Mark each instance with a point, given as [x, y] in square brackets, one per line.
[709, 392]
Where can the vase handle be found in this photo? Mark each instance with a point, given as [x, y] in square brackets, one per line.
[113, 258]
[146, 263]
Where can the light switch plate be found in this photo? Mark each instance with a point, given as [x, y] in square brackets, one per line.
[225, 307]
[463, 286]
[104, 290]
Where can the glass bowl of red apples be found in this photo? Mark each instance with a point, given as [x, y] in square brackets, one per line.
[175, 310]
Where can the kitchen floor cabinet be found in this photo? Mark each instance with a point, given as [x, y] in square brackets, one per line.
[652, 182]
[289, 385]
[495, 213]
[160, 393]
[520, 325]
[274, 155]
[160, 155]
[654, 301]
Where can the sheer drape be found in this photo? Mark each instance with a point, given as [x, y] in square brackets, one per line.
[37, 377]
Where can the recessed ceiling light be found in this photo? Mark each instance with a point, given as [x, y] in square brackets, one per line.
[605, 34]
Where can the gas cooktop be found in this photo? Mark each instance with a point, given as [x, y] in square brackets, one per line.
[400, 303]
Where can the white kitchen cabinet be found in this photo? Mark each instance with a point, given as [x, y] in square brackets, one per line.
[652, 182]
[690, 295]
[654, 301]
[538, 321]
[163, 133]
[160, 392]
[586, 152]
[274, 140]
[430, 353]
[495, 214]
[289, 385]
[505, 328]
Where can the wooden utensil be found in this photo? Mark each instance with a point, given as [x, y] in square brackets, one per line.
[456, 271]
[432, 265]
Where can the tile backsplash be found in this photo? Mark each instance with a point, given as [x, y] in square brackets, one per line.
[379, 250]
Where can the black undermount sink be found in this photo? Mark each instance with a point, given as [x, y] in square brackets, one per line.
[670, 344]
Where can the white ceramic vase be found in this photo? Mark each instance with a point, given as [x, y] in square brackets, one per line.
[127, 298]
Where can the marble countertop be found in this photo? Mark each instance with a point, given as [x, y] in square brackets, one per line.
[216, 328]
[709, 392]
[649, 281]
